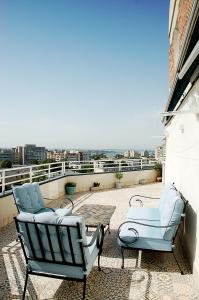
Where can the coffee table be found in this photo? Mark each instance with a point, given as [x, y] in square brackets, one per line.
[95, 214]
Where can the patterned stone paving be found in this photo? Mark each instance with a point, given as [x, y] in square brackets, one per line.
[154, 276]
[95, 214]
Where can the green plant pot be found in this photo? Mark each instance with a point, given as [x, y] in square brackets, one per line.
[70, 190]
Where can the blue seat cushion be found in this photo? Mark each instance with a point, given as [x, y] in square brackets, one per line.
[148, 237]
[66, 270]
[62, 212]
[143, 213]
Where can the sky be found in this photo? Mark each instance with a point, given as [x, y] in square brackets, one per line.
[89, 74]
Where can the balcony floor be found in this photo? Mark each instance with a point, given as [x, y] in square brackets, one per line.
[157, 279]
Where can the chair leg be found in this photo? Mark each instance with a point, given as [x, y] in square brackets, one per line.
[25, 285]
[98, 262]
[179, 267]
[84, 289]
[122, 252]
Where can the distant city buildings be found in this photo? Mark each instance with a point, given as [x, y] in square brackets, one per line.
[32, 154]
[131, 154]
[71, 155]
[57, 155]
[26, 155]
[136, 154]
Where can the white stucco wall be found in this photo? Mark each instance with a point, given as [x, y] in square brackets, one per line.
[182, 167]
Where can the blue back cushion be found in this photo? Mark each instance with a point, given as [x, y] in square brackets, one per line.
[73, 220]
[50, 218]
[164, 196]
[171, 214]
[28, 217]
[28, 197]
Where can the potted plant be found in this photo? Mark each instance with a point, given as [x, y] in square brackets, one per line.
[158, 168]
[119, 176]
[95, 187]
[70, 188]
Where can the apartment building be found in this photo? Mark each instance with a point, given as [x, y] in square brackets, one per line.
[32, 152]
[7, 154]
[73, 155]
[85, 155]
[131, 154]
[57, 155]
[160, 153]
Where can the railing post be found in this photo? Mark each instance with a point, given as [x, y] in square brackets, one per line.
[63, 167]
[3, 182]
[30, 174]
[120, 168]
[94, 166]
[48, 171]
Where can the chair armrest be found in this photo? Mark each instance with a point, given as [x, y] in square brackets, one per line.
[65, 202]
[99, 236]
[136, 237]
[142, 196]
[50, 199]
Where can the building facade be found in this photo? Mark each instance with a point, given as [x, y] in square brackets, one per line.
[73, 155]
[85, 155]
[7, 154]
[131, 154]
[32, 152]
[56, 155]
[19, 155]
[160, 153]
[181, 117]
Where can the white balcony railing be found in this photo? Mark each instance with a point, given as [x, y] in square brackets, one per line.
[44, 172]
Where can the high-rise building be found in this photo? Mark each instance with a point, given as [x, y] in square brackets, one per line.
[32, 152]
[6, 154]
[73, 155]
[85, 155]
[160, 153]
[18, 153]
[131, 154]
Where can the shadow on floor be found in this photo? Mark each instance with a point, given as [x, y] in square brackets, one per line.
[111, 283]
[150, 260]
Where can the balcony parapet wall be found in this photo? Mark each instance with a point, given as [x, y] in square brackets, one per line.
[55, 188]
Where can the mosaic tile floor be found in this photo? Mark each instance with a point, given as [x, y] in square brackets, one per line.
[153, 277]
